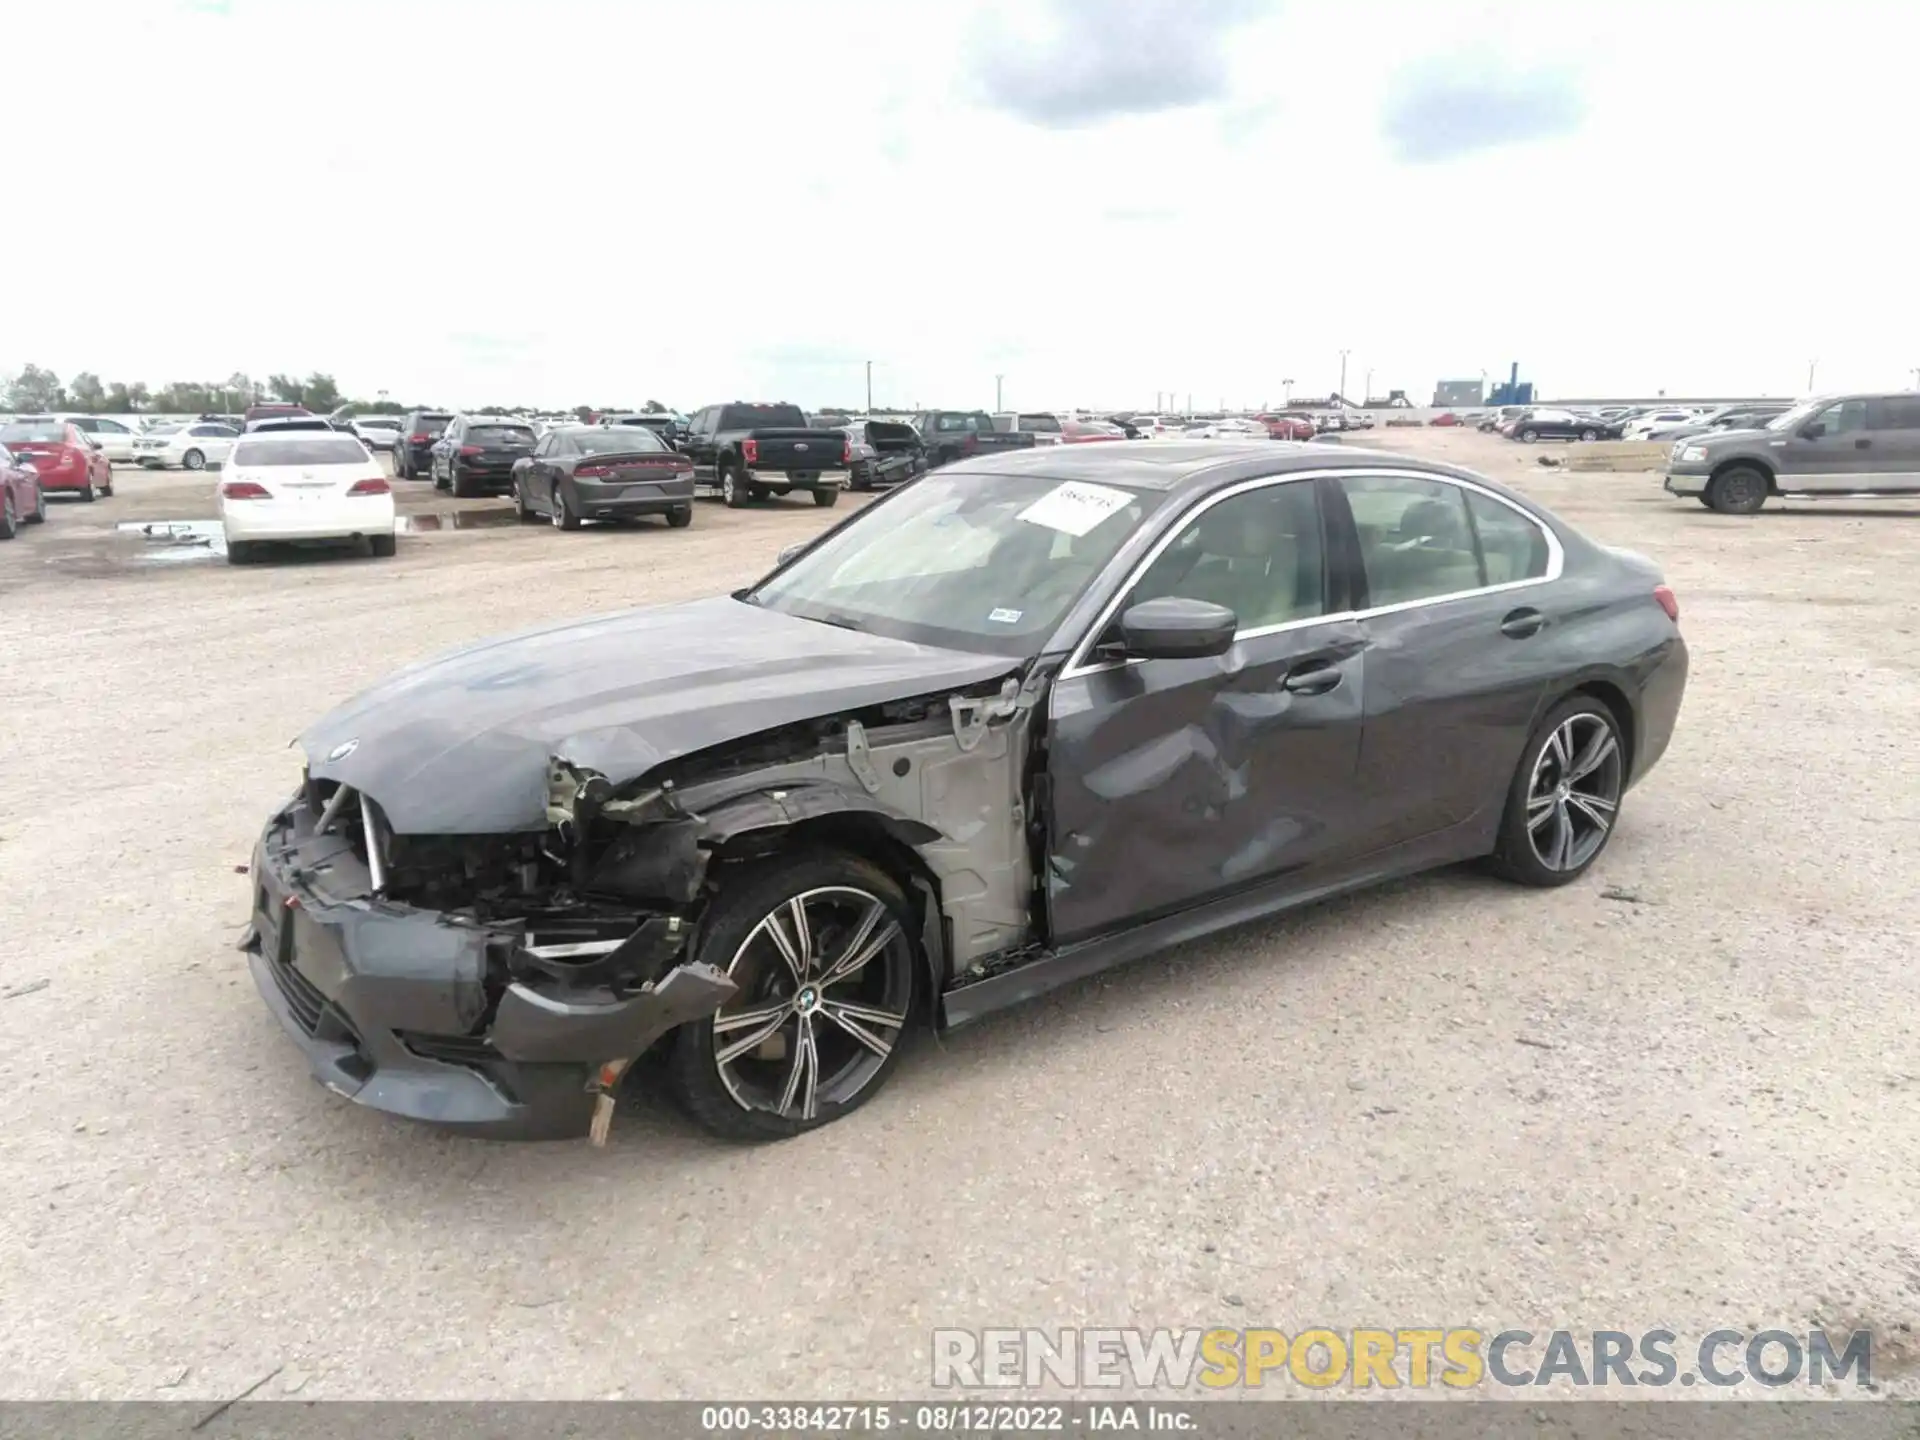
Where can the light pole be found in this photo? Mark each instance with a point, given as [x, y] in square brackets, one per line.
[1810, 364]
[869, 387]
[1286, 390]
[1343, 374]
[996, 391]
[1366, 390]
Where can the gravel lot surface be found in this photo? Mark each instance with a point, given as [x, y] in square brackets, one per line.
[1681, 1092]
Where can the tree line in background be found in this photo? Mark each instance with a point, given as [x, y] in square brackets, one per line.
[35, 390]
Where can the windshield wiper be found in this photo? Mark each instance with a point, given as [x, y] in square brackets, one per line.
[839, 622]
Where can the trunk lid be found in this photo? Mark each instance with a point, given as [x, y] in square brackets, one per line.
[792, 449]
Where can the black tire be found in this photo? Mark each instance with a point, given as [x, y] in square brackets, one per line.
[1589, 434]
[563, 516]
[680, 517]
[522, 512]
[9, 516]
[462, 484]
[1737, 490]
[742, 1100]
[1704, 501]
[39, 515]
[194, 460]
[828, 498]
[1529, 436]
[860, 478]
[734, 490]
[400, 471]
[760, 493]
[89, 494]
[1571, 792]
[383, 546]
[240, 552]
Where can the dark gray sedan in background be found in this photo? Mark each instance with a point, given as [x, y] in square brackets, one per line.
[1025, 718]
[595, 472]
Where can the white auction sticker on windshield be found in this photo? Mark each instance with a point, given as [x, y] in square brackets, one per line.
[1073, 508]
[1004, 616]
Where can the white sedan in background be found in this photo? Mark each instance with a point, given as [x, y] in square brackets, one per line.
[192, 447]
[1230, 429]
[299, 487]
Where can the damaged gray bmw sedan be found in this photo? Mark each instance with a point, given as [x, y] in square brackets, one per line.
[1028, 717]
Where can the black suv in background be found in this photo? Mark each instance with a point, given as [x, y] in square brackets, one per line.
[413, 454]
[476, 454]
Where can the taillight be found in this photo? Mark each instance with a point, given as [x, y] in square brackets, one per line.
[750, 450]
[421, 439]
[244, 490]
[846, 451]
[370, 487]
[469, 449]
[590, 472]
[66, 461]
[1669, 602]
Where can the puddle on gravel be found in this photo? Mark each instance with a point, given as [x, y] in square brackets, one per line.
[172, 542]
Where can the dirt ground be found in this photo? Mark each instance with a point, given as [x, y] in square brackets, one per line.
[1681, 1092]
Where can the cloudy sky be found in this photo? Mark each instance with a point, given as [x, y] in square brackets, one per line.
[601, 201]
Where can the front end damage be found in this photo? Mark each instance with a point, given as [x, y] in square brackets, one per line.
[503, 984]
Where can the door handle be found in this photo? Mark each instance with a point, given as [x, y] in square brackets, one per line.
[1521, 623]
[1316, 677]
[1863, 444]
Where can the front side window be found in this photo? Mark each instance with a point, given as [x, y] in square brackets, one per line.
[1416, 540]
[1259, 554]
[1843, 418]
[982, 563]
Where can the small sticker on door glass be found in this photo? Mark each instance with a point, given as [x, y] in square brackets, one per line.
[1074, 509]
[1005, 617]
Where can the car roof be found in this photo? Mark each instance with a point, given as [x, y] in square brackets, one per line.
[1192, 464]
[280, 434]
[498, 420]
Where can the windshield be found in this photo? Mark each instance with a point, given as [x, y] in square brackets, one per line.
[987, 563]
[1798, 414]
[45, 432]
[321, 450]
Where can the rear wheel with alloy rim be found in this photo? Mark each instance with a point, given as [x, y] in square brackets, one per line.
[1737, 490]
[563, 516]
[733, 489]
[1565, 796]
[819, 947]
[194, 460]
[1589, 434]
[9, 516]
[1529, 436]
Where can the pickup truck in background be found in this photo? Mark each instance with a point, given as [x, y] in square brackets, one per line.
[744, 453]
[951, 435]
[1043, 426]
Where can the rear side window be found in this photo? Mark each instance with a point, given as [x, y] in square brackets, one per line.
[1512, 547]
[754, 417]
[320, 450]
[1416, 541]
[1898, 412]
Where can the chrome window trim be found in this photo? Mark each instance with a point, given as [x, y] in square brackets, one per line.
[1078, 665]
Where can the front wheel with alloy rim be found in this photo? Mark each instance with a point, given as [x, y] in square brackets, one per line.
[733, 488]
[1737, 490]
[1589, 434]
[1565, 796]
[194, 460]
[1529, 436]
[819, 949]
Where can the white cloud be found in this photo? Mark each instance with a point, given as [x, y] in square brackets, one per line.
[588, 201]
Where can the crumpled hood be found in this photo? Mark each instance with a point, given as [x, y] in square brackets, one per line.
[460, 744]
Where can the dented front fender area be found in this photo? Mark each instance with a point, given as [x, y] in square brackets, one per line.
[1175, 780]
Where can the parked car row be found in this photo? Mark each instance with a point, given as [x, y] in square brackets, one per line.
[41, 455]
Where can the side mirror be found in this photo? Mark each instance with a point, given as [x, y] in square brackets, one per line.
[1176, 628]
[1813, 430]
[95, 445]
[790, 552]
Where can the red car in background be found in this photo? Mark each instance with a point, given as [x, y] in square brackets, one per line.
[63, 457]
[21, 500]
[1287, 427]
[1082, 432]
[1447, 419]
